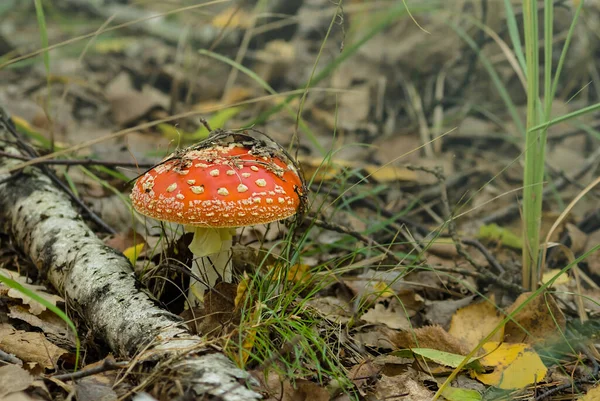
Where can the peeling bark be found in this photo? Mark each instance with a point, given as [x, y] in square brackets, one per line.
[99, 283]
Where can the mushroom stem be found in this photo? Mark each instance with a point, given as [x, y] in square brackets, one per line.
[212, 246]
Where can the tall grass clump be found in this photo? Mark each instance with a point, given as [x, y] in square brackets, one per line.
[539, 118]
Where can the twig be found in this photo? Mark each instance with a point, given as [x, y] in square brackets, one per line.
[484, 251]
[369, 204]
[484, 276]
[77, 162]
[345, 230]
[439, 174]
[107, 365]
[10, 358]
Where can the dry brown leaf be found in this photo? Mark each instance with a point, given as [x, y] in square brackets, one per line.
[29, 346]
[13, 379]
[579, 239]
[54, 326]
[375, 337]
[474, 322]
[373, 285]
[129, 104]
[364, 375]
[34, 307]
[280, 389]
[331, 308]
[593, 260]
[536, 322]
[440, 312]
[434, 337]
[394, 318]
[401, 388]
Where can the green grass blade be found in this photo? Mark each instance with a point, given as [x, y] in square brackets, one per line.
[577, 113]
[532, 184]
[41, 20]
[502, 91]
[565, 49]
[33, 295]
[513, 32]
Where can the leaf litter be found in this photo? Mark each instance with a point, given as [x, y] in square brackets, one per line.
[383, 325]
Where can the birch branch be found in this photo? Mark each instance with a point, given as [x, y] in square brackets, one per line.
[98, 282]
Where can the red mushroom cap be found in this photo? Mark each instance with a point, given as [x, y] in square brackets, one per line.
[223, 185]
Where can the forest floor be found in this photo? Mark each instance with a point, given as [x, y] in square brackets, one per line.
[408, 128]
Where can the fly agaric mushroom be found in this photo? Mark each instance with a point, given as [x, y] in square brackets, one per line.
[230, 180]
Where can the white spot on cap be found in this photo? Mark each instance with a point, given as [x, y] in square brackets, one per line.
[242, 188]
[241, 214]
[256, 200]
[172, 187]
[281, 200]
[191, 182]
[209, 214]
[230, 172]
[214, 173]
[269, 200]
[261, 182]
[246, 175]
[253, 168]
[180, 196]
[183, 172]
[223, 191]
[197, 189]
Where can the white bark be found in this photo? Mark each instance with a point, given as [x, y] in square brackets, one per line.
[99, 283]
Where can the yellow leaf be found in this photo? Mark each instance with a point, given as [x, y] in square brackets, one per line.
[328, 169]
[232, 17]
[473, 323]
[383, 290]
[592, 395]
[250, 338]
[562, 279]
[21, 123]
[132, 252]
[240, 292]
[515, 366]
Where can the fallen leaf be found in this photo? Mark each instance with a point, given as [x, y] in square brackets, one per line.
[56, 328]
[440, 312]
[461, 394]
[319, 170]
[232, 17]
[34, 307]
[13, 379]
[401, 388]
[549, 274]
[333, 309]
[434, 337]
[29, 346]
[391, 317]
[133, 252]
[364, 375]
[515, 366]
[446, 358]
[592, 395]
[538, 321]
[474, 322]
[495, 233]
